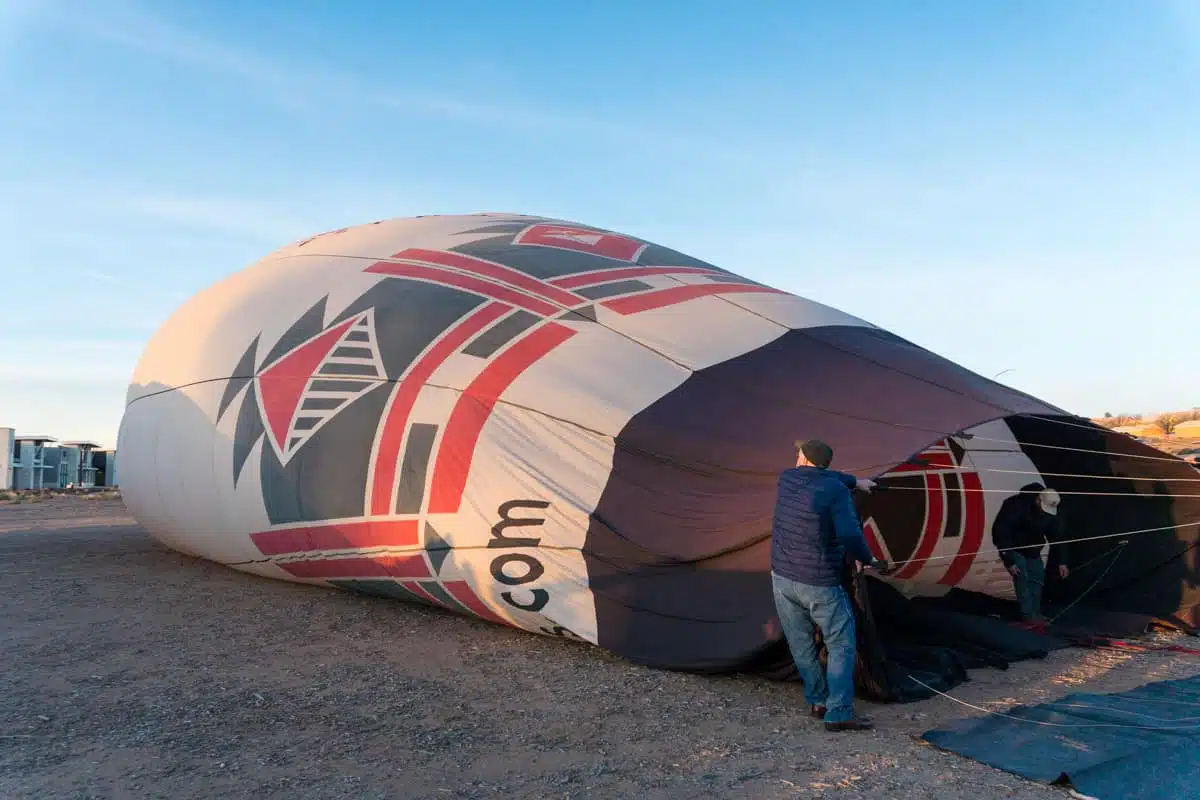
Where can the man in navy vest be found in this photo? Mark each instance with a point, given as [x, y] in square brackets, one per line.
[815, 527]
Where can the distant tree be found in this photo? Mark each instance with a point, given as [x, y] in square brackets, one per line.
[1108, 415]
[1166, 423]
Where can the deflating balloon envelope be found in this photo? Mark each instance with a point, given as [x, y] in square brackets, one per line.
[578, 433]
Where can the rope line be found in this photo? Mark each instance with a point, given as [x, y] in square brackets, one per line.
[1111, 454]
[935, 468]
[1120, 548]
[385, 550]
[997, 551]
[1009, 491]
[919, 458]
[1088, 425]
[1105, 554]
[1130, 726]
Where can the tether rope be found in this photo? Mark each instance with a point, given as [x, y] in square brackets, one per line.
[1120, 548]
[887, 488]
[936, 468]
[1089, 426]
[1021, 443]
[997, 551]
[1131, 726]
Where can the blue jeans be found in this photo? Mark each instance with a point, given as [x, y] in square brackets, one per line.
[1028, 586]
[800, 608]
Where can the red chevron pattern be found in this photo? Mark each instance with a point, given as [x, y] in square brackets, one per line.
[335, 551]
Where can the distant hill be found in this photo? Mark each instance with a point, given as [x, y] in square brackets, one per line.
[1164, 423]
[1172, 431]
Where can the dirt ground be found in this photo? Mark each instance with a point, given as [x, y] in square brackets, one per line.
[1177, 444]
[131, 671]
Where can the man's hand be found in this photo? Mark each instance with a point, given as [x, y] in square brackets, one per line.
[1014, 570]
[1063, 571]
[864, 485]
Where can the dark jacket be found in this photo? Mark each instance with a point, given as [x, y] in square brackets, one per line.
[815, 526]
[1021, 524]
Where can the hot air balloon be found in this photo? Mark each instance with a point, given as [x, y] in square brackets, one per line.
[578, 433]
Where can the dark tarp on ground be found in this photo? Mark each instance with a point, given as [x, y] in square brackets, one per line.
[1143, 743]
[898, 637]
[1079, 618]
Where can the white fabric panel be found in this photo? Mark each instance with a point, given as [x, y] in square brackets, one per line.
[793, 312]
[205, 338]
[459, 370]
[139, 486]
[433, 405]
[177, 480]
[786, 310]
[596, 378]
[523, 455]
[194, 478]
[1003, 469]
[570, 601]
[697, 334]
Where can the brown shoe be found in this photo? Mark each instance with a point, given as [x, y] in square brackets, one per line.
[817, 711]
[855, 724]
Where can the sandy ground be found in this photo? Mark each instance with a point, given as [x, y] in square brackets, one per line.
[131, 671]
[1177, 444]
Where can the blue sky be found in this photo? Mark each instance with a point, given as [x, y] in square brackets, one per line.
[1015, 185]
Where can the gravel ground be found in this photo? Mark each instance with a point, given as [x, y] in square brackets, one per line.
[132, 671]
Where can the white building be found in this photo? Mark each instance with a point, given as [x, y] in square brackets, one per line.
[29, 468]
[7, 440]
[76, 465]
[105, 462]
[41, 462]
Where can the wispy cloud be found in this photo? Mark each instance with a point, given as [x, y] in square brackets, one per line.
[315, 88]
[138, 289]
[96, 275]
[72, 360]
[245, 220]
[248, 220]
[128, 26]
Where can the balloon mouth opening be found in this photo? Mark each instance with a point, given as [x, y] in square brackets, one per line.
[933, 514]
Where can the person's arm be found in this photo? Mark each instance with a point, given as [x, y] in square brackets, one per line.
[1002, 532]
[847, 528]
[851, 482]
[848, 480]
